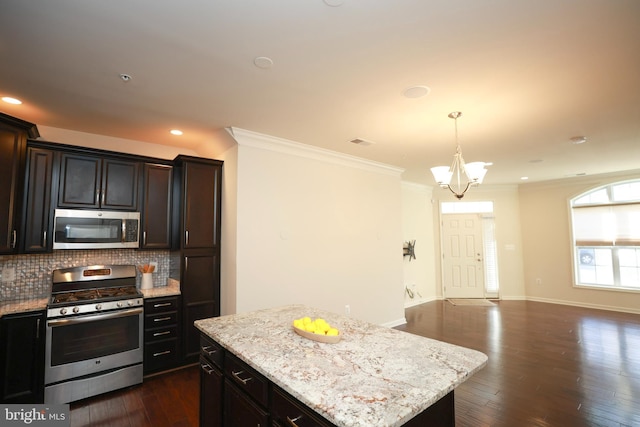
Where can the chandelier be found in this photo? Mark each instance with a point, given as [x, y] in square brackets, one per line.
[473, 172]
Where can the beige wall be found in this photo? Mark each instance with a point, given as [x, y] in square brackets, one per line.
[318, 228]
[417, 220]
[547, 244]
[90, 140]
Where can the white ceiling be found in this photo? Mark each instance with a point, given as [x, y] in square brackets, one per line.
[527, 75]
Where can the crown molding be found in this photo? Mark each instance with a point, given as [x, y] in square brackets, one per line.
[266, 142]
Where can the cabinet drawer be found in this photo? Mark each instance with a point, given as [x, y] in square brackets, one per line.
[287, 411]
[240, 410]
[246, 378]
[159, 305]
[212, 351]
[160, 355]
[160, 320]
[152, 335]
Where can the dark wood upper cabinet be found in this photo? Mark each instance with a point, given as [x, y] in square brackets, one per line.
[94, 182]
[200, 208]
[156, 206]
[13, 139]
[38, 215]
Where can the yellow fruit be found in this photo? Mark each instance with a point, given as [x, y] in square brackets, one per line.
[298, 323]
[332, 332]
[306, 320]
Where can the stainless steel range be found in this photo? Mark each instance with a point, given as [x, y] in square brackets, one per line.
[94, 339]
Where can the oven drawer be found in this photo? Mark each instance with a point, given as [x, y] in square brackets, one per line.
[160, 305]
[160, 355]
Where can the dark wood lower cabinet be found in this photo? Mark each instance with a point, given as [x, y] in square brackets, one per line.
[22, 357]
[232, 394]
[161, 333]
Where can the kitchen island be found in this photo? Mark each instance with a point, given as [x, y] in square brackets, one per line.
[374, 376]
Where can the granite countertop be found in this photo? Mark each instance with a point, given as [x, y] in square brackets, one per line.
[172, 288]
[374, 377]
[10, 307]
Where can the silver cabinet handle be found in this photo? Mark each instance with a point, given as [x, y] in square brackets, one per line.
[14, 238]
[44, 238]
[144, 238]
[209, 351]
[159, 334]
[162, 319]
[186, 238]
[236, 375]
[161, 304]
[292, 422]
[162, 353]
[207, 368]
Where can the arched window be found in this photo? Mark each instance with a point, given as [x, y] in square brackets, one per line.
[606, 236]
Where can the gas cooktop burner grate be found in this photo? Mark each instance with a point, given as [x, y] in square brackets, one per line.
[95, 294]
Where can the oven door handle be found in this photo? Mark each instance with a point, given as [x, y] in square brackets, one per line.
[94, 317]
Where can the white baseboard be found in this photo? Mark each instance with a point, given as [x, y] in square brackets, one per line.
[414, 302]
[395, 323]
[586, 305]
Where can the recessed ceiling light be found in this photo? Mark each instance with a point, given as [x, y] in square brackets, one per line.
[416, 91]
[263, 62]
[177, 132]
[524, 178]
[577, 140]
[10, 100]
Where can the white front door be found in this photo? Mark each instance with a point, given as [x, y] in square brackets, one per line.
[462, 256]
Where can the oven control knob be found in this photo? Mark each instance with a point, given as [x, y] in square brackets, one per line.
[129, 303]
[63, 311]
[98, 306]
[119, 304]
[76, 309]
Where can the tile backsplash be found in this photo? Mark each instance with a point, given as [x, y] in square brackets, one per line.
[33, 272]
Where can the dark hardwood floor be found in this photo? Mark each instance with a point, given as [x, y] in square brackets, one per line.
[171, 399]
[549, 365]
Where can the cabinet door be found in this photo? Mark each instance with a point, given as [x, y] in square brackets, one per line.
[211, 386]
[12, 142]
[79, 181]
[119, 187]
[22, 357]
[240, 410]
[38, 219]
[156, 207]
[200, 297]
[200, 205]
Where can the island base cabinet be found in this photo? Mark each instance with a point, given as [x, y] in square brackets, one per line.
[211, 386]
[287, 412]
[440, 414]
[240, 410]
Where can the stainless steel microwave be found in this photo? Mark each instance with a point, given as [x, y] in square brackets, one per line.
[86, 229]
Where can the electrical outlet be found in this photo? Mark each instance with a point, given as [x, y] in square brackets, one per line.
[155, 266]
[347, 309]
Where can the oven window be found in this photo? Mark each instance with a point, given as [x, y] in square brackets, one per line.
[94, 339]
